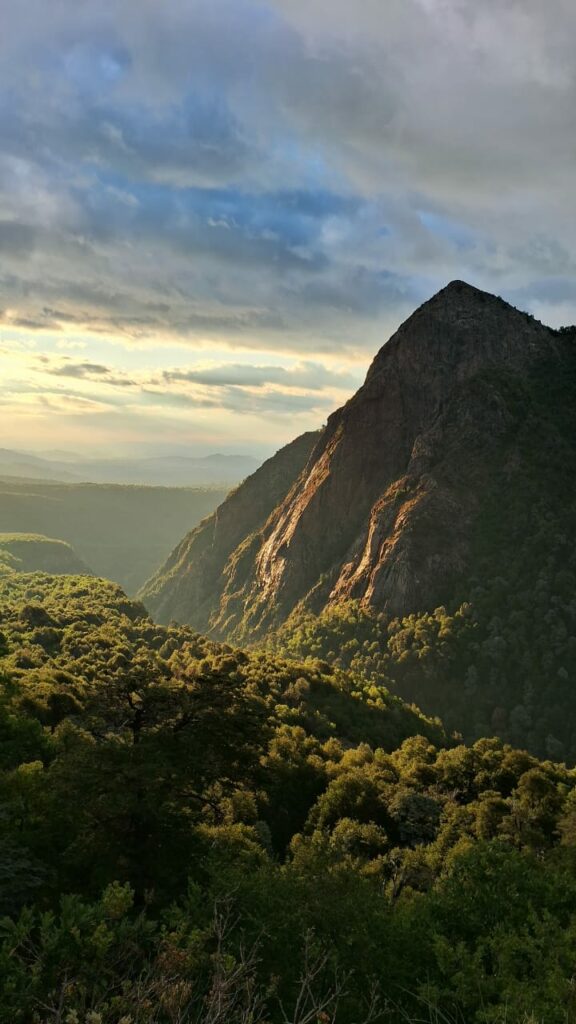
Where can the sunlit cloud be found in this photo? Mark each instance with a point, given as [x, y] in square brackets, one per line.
[269, 186]
[289, 396]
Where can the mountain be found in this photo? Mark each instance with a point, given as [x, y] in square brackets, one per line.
[30, 552]
[161, 471]
[388, 507]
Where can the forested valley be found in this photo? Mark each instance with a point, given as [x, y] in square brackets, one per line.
[121, 532]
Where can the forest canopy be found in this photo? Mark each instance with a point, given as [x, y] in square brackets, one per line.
[193, 832]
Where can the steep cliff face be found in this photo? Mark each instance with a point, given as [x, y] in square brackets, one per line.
[384, 508]
[191, 584]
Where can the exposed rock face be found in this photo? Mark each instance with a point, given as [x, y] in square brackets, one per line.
[191, 585]
[383, 507]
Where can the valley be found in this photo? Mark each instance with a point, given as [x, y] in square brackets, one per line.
[120, 532]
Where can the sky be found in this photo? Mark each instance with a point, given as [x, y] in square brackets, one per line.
[213, 213]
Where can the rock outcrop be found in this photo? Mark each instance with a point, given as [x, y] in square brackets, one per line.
[381, 505]
[191, 586]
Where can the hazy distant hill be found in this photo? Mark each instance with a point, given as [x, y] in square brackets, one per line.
[31, 467]
[169, 471]
[122, 533]
[164, 471]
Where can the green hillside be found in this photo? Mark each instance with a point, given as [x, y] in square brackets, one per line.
[122, 533]
[31, 552]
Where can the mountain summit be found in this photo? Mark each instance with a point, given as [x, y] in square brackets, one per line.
[387, 504]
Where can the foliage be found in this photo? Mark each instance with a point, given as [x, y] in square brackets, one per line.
[502, 662]
[197, 834]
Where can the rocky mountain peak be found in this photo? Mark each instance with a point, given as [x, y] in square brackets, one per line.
[461, 292]
[459, 297]
[461, 328]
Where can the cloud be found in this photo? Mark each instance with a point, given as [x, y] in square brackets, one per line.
[68, 404]
[16, 240]
[282, 176]
[68, 344]
[80, 370]
[85, 371]
[301, 389]
[53, 403]
[299, 191]
[275, 403]
[307, 375]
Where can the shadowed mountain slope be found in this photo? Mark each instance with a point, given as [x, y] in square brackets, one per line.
[458, 409]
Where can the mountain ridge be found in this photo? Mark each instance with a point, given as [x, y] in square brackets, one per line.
[385, 507]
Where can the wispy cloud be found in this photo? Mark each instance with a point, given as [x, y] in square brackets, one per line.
[287, 397]
[86, 371]
[307, 376]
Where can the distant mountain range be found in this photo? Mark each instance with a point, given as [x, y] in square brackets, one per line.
[166, 471]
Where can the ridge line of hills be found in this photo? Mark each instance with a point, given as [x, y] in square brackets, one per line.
[164, 471]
